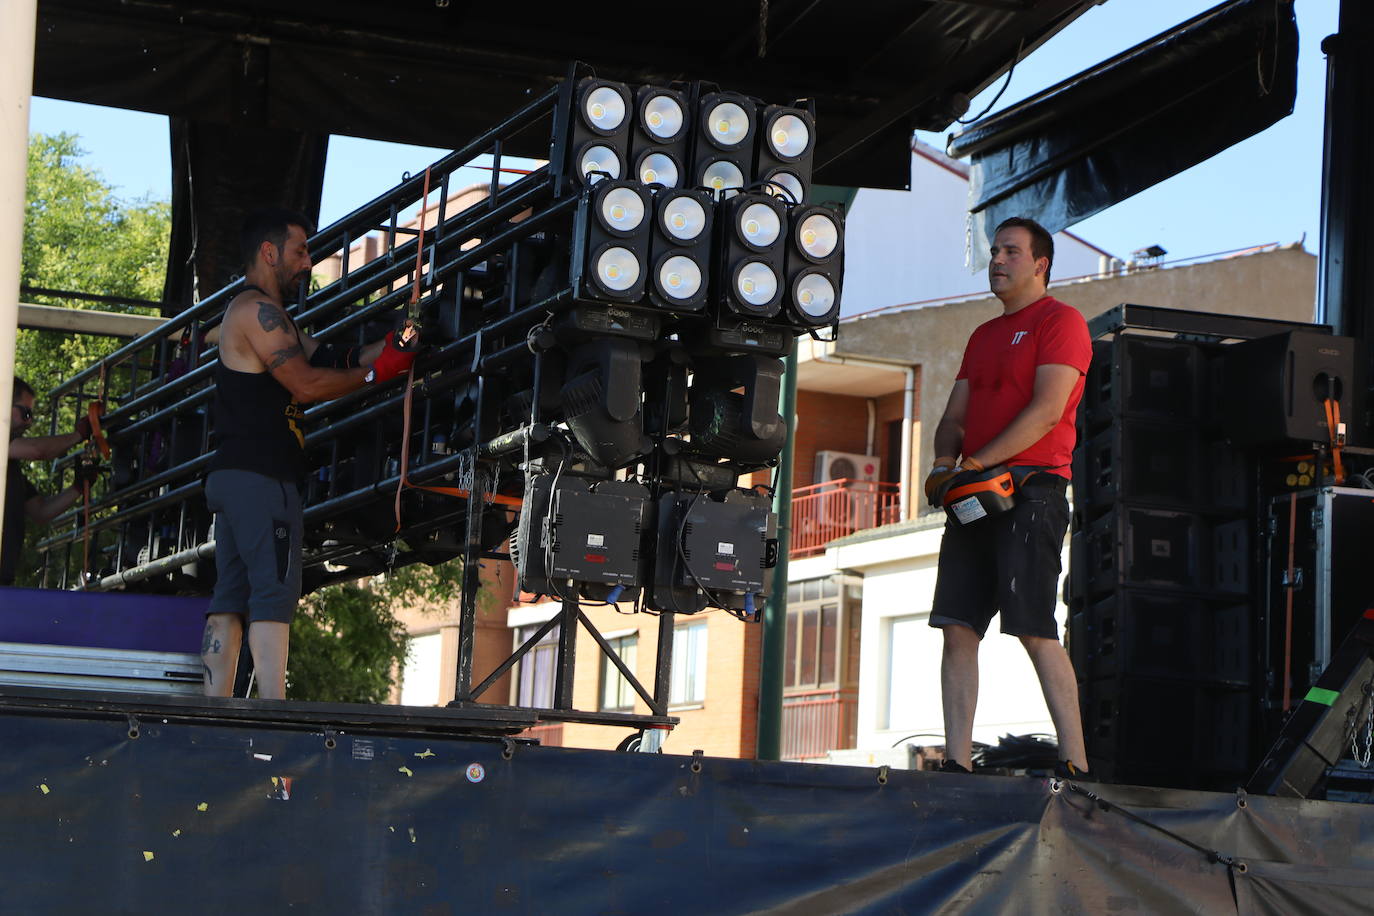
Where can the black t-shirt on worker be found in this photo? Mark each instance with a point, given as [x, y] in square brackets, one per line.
[18, 491]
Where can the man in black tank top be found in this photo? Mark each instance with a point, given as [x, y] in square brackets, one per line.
[267, 369]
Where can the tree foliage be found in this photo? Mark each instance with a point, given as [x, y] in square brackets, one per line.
[79, 236]
[347, 644]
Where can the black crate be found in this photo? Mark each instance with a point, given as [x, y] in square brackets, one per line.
[1163, 635]
[1168, 733]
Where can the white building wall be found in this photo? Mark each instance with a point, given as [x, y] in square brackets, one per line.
[899, 666]
[908, 246]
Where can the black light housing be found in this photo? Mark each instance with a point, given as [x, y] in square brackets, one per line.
[815, 265]
[611, 242]
[660, 136]
[680, 249]
[723, 143]
[752, 238]
[599, 130]
[733, 408]
[786, 146]
[602, 400]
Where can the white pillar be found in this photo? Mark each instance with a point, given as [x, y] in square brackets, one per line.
[18, 20]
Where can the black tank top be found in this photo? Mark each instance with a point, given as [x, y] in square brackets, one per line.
[257, 425]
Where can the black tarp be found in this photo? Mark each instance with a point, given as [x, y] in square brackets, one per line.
[1132, 121]
[220, 174]
[201, 813]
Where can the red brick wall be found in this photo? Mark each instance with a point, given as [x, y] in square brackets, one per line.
[835, 422]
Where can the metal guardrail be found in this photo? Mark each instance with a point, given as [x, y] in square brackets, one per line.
[834, 509]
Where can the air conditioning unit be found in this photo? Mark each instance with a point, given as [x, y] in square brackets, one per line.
[853, 505]
[846, 466]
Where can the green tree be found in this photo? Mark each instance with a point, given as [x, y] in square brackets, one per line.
[79, 236]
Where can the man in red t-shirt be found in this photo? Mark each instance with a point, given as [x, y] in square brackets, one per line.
[1013, 403]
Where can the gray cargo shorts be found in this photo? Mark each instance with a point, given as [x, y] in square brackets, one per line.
[258, 530]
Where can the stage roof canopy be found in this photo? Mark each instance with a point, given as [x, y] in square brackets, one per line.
[437, 72]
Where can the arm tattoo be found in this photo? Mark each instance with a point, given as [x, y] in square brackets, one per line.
[279, 357]
[270, 316]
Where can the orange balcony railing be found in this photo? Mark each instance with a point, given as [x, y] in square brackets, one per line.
[818, 721]
[825, 511]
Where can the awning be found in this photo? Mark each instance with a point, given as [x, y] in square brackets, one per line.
[1132, 121]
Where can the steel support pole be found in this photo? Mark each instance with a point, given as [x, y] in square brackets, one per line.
[775, 611]
[1346, 265]
[18, 20]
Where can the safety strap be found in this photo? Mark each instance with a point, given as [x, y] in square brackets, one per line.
[1333, 428]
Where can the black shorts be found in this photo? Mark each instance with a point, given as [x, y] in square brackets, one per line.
[258, 528]
[1008, 563]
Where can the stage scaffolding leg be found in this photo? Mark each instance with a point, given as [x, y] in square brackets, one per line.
[472, 585]
[567, 653]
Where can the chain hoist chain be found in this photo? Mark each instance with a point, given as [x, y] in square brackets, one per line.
[1363, 757]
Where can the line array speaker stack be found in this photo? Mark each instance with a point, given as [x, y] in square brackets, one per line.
[1161, 564]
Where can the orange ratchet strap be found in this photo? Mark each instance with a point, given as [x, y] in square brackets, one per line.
[94, 412]
[1333, 428]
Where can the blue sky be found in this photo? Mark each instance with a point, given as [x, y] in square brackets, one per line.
[1265, 189]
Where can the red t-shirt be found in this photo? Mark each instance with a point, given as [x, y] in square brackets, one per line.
[999, 364]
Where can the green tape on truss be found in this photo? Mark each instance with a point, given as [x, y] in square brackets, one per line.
[1322, 696]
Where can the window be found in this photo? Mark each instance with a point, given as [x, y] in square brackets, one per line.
[813, 653]
[420, 680]
[616, 693]
[689, 665]
[535, 672]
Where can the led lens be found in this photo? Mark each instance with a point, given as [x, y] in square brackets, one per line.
[818, 235]
[791, 186]
[759, 225]
[679, 277]
[727, 125]
[814, 295]
[617, 269]
[598, 159]
[663, 117]
[684, 218]
[658, 168]
[756, 284]
[723, 175]
[622, 210]
[788, 136]
[604, 108]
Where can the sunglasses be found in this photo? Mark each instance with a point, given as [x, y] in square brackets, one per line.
[25, 413]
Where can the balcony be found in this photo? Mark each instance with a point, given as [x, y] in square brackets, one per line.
[833, 509]
[818, 721]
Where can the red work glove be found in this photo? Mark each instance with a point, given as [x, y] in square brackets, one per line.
[393, 360]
